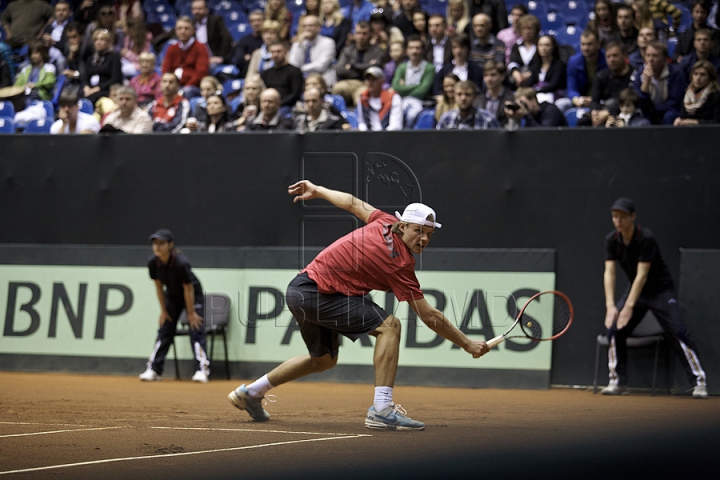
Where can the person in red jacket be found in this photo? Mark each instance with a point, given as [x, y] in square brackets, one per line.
[188, 59]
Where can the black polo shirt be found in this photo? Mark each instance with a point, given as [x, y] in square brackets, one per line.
[174, 275]
[642, 248]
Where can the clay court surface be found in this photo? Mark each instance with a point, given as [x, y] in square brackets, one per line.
[115, 427]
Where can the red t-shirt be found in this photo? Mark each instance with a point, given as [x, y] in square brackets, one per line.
[369, 258]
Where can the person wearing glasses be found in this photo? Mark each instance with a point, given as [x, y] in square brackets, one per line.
[106, 20]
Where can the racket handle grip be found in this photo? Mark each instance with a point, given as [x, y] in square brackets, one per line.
[493, 342]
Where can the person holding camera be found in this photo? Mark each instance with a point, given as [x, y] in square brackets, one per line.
[536, 114]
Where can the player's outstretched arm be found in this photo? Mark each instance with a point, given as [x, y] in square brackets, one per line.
[306, 190]
[438, 323]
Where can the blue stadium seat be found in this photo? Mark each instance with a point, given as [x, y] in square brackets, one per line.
[86, 106]
[59, 84]
[537, 8]
[183, 8]
[571, 115]
[426, 120]
[230, 70]
[49, 109]
[570, 35]
[685, 21]
[39, 126]
[297, 7]
[238, 29]
[194, 103]
[235, 104]
[224, 6]
[552, 22]
[351, 117]
[338, 101]
[552, 5]
[7, 109]
[251, 5]
[233, 86]
[167, 20]
[7, 125]
[574, 12]
[157, 6]
[236, 15]
[439, 7]
[671, 44]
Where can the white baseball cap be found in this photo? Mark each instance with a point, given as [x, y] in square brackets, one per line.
[417, 213]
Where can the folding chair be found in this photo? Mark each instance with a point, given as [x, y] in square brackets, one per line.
[647, 334]
[215, 322]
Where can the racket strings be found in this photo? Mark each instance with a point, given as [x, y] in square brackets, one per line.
[545, 306]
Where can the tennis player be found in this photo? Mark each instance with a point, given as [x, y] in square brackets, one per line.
[330, 298]
[651, 288]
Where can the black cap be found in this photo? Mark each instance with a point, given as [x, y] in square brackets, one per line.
[624, 205]
[163, 234]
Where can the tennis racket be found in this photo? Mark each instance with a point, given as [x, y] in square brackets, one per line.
[535, 313]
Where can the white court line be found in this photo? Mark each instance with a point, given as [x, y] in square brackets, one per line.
[57, 431]
[167, 455]
[46, 424]
[256, 430]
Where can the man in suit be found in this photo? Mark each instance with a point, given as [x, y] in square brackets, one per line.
[211, 30]
[438, 49]
[314, 53]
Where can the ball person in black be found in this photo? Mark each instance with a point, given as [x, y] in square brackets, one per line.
[177, 289]
[651, 288]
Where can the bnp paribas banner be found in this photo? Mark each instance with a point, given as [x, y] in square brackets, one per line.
[111, 310]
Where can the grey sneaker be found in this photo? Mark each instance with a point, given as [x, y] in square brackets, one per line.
[615, 390]
[700, 391]
[392, 417]
[242, 400]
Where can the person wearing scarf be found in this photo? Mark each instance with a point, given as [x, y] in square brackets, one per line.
[261, 59]
[701, 104]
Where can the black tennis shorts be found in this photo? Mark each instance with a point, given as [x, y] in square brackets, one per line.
[323, 318]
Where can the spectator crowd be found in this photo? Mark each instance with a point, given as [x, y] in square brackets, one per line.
[229, 66]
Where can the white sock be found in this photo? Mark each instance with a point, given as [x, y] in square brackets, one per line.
[383, 398]
[259, 387]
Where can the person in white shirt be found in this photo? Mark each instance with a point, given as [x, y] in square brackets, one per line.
[128, 117]
[314, 52]
[70, 118]
[439, 43]
[53, 33]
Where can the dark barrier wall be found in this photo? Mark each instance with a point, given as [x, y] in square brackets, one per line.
[699, 297]
[529, 189]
